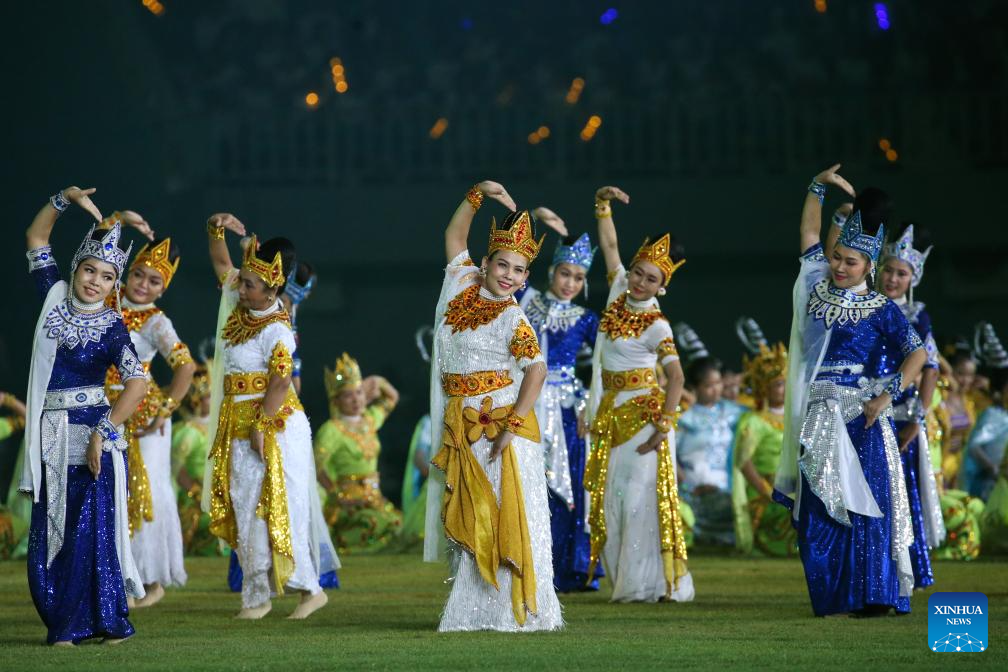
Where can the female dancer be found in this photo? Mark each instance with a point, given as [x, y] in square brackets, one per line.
[756, 457]
[703, 452]
[564, 329]
[346, 452]
[850, 502]
[261, 475]
[80, 567]
[635, 523]
[414, 487]
[902, 270]
[296, 292]
[13, 521]
[985, 448]
[153, 507]
[488, 495]
[959, 409]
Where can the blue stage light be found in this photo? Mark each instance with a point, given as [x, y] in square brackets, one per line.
[466, 23]
[608, 16]
[882, 15]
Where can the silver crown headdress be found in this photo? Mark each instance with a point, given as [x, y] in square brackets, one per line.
[988, 347]
[853, 236]
[750, 334]
[422, 336]
[903, 250]
[107, 250]
[688, 343]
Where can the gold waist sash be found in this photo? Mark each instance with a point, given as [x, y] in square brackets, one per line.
[495, 535]
[235, 422]
[253, 382]
[474, 384]
[614, 426]
[634, 379]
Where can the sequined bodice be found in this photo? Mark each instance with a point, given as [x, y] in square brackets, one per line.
[567, 328]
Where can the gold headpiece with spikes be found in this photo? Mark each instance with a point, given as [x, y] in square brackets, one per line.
[345, 375]
[764, 368]
[518, 236]
[658, 254]
[200, 388]
[270, 273]
[157, 257]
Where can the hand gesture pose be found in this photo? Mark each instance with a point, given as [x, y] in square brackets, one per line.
[497, 192]
[612, 194]
[549, 218]
[136, 221]
[227, 221]
[873, 408]
[82, 198]
[831, 177]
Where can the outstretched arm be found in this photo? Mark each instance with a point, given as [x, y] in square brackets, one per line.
[220, 258]
[811, 220]
[606, 227]
[41, 227]
[457, 233]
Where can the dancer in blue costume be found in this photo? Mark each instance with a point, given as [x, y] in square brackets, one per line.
[80, 567]
[564, 329]
[902, 270]
[840, 467]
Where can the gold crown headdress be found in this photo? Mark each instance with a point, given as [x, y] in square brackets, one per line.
[518, 236]
[200, 388]
[658, 254]
[269, 272]
[769, 364]
[158, 258]
[345, 375]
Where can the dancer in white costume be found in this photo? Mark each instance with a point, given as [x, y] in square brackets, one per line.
[487, 494]
[154, 521]
[260, 483]
[635, 522]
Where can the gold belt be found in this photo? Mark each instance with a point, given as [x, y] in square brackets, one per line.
[634, 379]
[253, 382]
[474, 384]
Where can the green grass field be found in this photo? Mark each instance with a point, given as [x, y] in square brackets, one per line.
[748, 614]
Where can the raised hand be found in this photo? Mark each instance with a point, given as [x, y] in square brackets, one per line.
[549, 218]
[831, 177]
[228, 221]
[136, 221]
[82, 197]
[497, 192]
[611, 194]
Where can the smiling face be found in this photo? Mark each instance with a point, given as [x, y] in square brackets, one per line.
[93, 280]
[253, 292]
[644, 280]
[731, 385]
[848, 267]
[776, 391]
[965, 373]
[144, 284]
[351, 402]
[506, 272]
[896, 277]
[568, 281]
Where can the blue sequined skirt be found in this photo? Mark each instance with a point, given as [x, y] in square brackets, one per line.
[81, 595]
[919, 558]
[850, 569]
[571, 544]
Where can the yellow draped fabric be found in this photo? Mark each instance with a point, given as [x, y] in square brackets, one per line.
[139, 504]
[235, 422]
[614, 426]
[495, 535]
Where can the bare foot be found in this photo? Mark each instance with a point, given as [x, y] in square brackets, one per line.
[309, 605]
[112, 641]
[130, 603]
[255, 613]
[153, 596]
[65, 642]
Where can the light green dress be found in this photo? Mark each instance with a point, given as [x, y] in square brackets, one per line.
[760, 524]
[190, 445]
[359, 516]
[15, 517]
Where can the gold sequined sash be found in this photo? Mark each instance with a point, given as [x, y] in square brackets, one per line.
[235, 422]
[634, 379]
[474, 384]
[495, 535]
[139, 502]
[614, 426]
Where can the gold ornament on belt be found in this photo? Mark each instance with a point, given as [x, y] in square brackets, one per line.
[345, 375]
[658, 254]
[517, 234]
[271, 273]
[158, 258]
[475, 383]
[621, 321]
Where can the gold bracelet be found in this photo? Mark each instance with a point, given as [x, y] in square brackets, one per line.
[514, 421]
[475, 197]
[602, 209]
[168, 406]
[215, 231]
